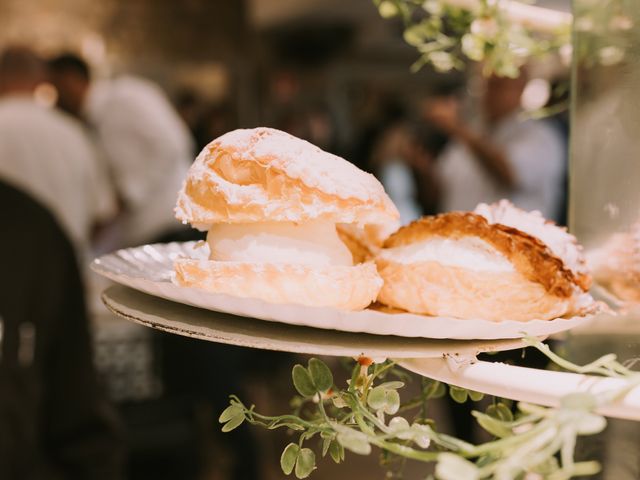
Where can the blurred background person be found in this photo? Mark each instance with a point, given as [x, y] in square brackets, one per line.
[55, 421]
[148, 147]
[401, 160]
[47, 153]
[509, 156]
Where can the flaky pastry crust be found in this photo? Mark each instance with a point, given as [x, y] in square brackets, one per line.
[263, 174]
[432, 288]
[562, 244]
[345, 287]
[530, 257]
[357, 245]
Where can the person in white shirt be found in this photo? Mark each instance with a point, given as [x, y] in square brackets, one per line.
[47, 153]
[520, 159]
[147, 146]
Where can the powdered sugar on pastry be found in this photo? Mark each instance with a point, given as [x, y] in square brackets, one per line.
[558, 239]
[264, 174]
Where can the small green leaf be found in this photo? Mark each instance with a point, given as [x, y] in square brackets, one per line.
[414, 35]
[439, 391]
[320, 375]
[459, 395]
[233, 423]
[501, 412]
[338, 401]
[585, 468]
[475, 396]
[590, 424]
[303, 382]
[306, 463]
[486, 460]
[377, 398]
[289, 457]
[326, 443]
[492, 425]
[398, 424]
[290, 425]
[230, 412]
[392, 385]
[355, 441]
[387, 9]
[336, 451]
[393, 402]
[383, 399]
[421, 435]
[548, 467]
[452, 467]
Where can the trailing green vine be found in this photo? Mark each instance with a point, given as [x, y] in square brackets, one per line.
[368, 413]
[448, 34]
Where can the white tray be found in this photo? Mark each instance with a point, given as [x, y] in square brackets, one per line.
[149, 268]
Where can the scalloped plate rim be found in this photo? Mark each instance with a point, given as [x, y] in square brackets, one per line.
[363, 321]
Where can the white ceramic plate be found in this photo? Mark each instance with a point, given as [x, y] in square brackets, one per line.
[149, 268]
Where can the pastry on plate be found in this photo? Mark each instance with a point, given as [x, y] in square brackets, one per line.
[616, 264]
[463, 265]
[563, 244]
[286, 221]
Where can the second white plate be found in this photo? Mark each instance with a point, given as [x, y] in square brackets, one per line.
[149, 268]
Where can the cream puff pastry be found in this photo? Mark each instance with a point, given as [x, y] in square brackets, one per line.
[563, 245]
[461, 265]
[287, 222]
[616, 264]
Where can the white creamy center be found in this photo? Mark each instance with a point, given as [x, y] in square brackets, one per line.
[467, 252]
[310, 243]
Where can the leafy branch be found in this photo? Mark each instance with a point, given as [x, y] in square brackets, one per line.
[369, 413]
[448, 34]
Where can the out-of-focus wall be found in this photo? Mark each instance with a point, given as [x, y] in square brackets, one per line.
[335, 52]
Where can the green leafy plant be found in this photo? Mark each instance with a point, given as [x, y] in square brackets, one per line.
[448, 34]
[369, 413]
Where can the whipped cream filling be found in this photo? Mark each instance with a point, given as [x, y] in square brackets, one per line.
[311, 243]
[468, 252]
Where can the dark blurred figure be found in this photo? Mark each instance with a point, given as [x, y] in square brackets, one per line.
[508, 157]
[189, 106]
[405, 169]
[54, 420]
[206, 120]
[312, 123]
[215, 121]
[558, 106]
[149, 150]
[147, 146]
[47, 153]
[396, 151]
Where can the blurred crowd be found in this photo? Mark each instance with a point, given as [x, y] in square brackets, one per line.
[90, 164]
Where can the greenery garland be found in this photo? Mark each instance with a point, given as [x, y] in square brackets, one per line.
[369, 412]
[447, 35]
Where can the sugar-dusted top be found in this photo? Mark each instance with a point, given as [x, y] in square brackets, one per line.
[264, 172]
[303, 160]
